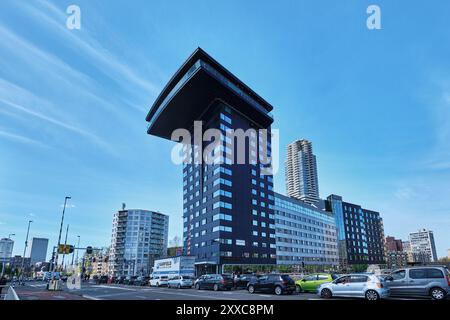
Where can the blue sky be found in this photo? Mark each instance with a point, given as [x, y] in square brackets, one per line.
[375, 104]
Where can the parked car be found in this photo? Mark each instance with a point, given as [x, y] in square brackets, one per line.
[432, 281]
[215, 282]
[312, 282]
[273, 283]
[368, 286]
[129, 280]
[241, 282]
[158, 281]
[181, 282]
[141, 281]
[103, 279]
[120, 280]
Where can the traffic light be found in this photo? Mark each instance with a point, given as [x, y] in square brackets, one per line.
[89, 250]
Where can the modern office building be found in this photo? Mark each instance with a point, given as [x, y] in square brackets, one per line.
[6, 249]
[38, 250]
[227, 204]
[138, 238]
[360, 233]
[305, 235]
[422, 246]
[301, 172]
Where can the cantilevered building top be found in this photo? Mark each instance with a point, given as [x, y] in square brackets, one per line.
[199, 82]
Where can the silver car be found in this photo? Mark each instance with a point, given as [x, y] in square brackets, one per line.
[433, 281]
[181, 282]
[366, 286]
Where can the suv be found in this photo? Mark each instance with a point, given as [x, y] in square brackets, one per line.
[433, 281]
[215, 282]
[274, 283]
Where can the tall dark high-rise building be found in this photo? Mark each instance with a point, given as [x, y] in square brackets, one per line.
[360, 233]
[227, 206]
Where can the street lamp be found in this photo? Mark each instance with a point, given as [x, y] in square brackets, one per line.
[78, 245]
[55, 260]
[25, 249]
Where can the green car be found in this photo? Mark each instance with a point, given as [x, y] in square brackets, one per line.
[312, 282]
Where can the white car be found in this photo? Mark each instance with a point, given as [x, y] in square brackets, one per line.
[158, 281]
[181, 282]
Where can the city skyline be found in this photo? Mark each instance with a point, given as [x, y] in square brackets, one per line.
[98, 153]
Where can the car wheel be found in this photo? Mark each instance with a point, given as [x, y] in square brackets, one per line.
[251, 289]
[437, 293]
[298, 289]
[372, 295]
[278, 290]
[326, 293]
[216, 287]
[197, 286]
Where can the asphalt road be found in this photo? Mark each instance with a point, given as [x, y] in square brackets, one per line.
[89, 291]
[37, 291]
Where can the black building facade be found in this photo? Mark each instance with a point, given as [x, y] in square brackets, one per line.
[227, 206]
[360, 233]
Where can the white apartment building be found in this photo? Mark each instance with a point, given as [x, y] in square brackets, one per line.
[422, 245]
[138, 238]
[6, 248]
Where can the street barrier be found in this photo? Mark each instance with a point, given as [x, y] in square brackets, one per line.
[11, 294]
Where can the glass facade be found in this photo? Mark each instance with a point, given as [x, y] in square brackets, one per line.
[304, 234]
[360, 233]
[228, 207]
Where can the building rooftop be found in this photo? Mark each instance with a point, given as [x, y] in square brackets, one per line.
[199, 82]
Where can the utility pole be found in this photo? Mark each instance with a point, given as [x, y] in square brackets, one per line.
[55, 256]
[65, 244]
[78, 245]
[24, 251]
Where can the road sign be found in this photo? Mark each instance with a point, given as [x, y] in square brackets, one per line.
[65, 249]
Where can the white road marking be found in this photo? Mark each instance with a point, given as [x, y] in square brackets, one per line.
[113, 287]
[90, 297]
[264, 295]
[196, 295]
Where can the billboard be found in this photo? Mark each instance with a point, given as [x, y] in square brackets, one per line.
[174, 266]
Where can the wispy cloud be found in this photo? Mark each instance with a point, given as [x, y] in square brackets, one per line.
[20, 139]
[102, 58]
[439, 101]
[9, 91]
